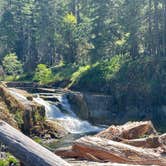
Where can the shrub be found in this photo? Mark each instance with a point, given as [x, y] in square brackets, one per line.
[78, 74]
[98, 75]
[12, 65]
[43, 74]
[10, 160]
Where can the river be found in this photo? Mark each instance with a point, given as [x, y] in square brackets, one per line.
[58, 108]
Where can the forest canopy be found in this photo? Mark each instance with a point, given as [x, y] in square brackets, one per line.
[81, 32]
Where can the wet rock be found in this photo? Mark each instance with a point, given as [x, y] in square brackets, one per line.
[30, 98]
[29, 115]
[79, 105]
[5, 114]
[21, 84]
[49, 130]
[49, 98]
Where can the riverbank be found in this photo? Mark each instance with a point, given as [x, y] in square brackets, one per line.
[20, 99]
[33, 119]
[107, 91]
[136, 87]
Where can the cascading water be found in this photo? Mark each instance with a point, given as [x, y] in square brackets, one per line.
[65, 115]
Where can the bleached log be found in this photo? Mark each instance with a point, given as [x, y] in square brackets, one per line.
[150, 142]
[130, 130]
[26, 150]
[66, 152]
[93, 148]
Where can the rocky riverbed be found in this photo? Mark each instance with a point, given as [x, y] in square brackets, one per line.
[52, 118]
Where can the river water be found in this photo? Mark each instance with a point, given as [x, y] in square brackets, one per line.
[58, 108]
[61, 111]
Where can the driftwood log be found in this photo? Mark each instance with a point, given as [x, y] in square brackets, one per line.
[100, 149]
[130, 130]
[26, 150]
[148, 142]
[76, 162]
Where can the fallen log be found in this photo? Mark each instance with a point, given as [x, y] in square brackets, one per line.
[130, 130]
[76, 162]
[26, 150]
[150, 142]
[100, 149]
[66, 152]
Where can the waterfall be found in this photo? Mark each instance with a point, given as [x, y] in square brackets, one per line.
[65, 115]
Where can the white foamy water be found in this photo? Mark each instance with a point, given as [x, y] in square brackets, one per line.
[68, 119]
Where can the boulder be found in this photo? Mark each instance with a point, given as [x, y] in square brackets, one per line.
[49, 129]
[79, 105]
[5, 114]
[29, 115]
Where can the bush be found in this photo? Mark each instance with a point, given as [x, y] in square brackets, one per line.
[43, 74]
[64, 73]
[12, 65]
[10, 160]
[98, 75]
[78, 74]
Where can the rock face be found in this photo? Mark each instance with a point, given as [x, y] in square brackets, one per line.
[79, 105]
[28, 115]
[49, 130]
[5, 114]
[96, 108]
[92, 107]
[105, 109]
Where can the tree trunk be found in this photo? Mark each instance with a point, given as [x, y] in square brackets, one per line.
[150, 44]
[151, 142]
[95, 148]
[26, 150]
[130, 130]
[156, 28]
[164, 29]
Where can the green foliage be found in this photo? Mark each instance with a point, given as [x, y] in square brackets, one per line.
[64, 72]
[78, 74]
[4, 162]
[80, 32]
[70, 19]
[13, 160]
[43, 74]
[99, 74]
[19, 118]
[12, 65]
[38, 140]
[10, 160]
[25, 77]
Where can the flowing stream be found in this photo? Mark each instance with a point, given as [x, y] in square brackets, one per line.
[61, 111]
[58, 108]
